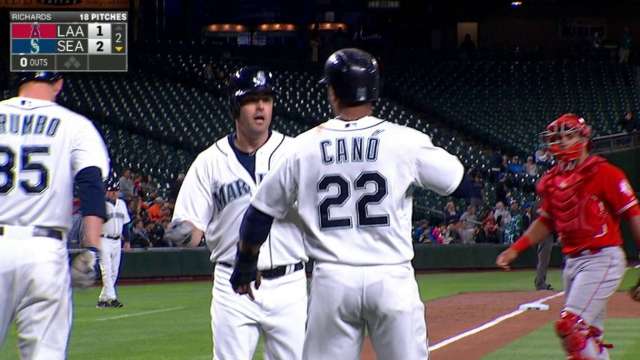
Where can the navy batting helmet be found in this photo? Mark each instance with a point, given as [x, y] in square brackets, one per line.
[47, 76]
[353, 75]
[247, 81]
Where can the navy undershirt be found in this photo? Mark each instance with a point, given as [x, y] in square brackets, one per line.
[248, 161]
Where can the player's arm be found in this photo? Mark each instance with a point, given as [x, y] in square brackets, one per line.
[92, 205]
[194, 206]
[539, 230]
[275, 195]
[84, 268]
[436, 169]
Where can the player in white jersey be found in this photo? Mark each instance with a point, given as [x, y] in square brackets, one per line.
[350, 179]
[112, 240]
[215, 193]
[44, 150]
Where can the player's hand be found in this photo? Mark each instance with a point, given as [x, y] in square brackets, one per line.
[245, 271]
[85, 268]
[505, 258]
[179, 233]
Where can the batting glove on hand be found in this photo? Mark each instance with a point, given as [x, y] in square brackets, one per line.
[244, 272]
[179, 233]
[85, 268]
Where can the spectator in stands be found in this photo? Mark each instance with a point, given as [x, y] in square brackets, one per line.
[139, 235]
[126, 185]
[542, 156]
[502, 191]
[496, 165]
[503, 217]
[453, 232]
[515, 166]
[437, 234]
[418, 230]
[530, 167]
[629, 123]
[469, 221]
[489, 232]
[514, 228]
[477, 185]
[467, 47]
[626, 43]
[450, 212]
[155, 211]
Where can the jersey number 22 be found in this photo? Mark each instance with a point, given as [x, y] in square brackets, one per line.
[343, 186]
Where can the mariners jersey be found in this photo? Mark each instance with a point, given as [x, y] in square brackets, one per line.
[352, 184]
[217, 191]
[584, 205]
[117, 216]
[42, 147]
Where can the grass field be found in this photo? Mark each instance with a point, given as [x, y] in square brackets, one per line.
[171, 320]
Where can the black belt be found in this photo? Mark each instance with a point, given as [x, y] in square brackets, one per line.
[271, 273]
[40, 231]
[111, 237]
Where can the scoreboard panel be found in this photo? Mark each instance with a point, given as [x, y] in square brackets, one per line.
[68, 41]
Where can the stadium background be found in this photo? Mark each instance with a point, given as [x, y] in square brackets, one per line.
[530, 62]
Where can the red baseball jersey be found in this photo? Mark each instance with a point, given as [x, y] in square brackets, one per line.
[583, 206]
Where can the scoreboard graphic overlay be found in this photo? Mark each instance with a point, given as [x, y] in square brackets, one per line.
[69, 41]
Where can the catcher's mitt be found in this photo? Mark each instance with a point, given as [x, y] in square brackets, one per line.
[635, 291]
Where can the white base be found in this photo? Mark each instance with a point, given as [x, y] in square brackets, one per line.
[534, 306]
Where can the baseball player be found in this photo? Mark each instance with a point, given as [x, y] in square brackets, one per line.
[215, 193]
[350, 179]
[112, 238]
[583, 198]
[44, 150]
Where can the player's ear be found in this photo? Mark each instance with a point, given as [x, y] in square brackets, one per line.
[57, 86]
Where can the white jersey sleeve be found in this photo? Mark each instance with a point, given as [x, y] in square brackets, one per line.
[436, 169]
[88, 149]
[194, 202]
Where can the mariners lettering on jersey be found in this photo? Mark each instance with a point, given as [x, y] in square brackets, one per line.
[357, 149]
[229, 192]
[28, 124]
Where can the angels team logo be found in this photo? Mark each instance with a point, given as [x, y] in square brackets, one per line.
[625, 188]
[35, 30]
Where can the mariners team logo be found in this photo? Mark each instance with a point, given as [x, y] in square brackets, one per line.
[260, 79]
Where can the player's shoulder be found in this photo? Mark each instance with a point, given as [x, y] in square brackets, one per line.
[607, 170]
[219, 149]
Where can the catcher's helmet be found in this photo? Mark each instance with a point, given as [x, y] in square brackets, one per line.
[247, 81]
[47, 76]
[567, 125]
[353, 74]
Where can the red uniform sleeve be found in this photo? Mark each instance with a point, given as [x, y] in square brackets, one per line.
[616, 189]
[543, 204]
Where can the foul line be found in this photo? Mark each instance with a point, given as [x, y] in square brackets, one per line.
[489, 324]
[143, 313]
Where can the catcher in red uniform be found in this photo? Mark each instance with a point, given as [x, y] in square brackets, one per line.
[583, 198]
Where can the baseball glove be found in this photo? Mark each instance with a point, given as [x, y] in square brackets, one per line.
[635, 291]
[85, 268]
[179, 233]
